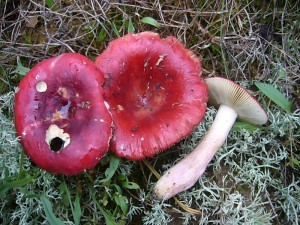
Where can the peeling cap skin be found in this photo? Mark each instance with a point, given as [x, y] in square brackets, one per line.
[60, 114]
[154, 90]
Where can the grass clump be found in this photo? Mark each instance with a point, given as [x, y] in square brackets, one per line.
[254, 178]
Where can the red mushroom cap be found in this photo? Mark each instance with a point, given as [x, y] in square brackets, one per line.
[154, 90]
[61, 116]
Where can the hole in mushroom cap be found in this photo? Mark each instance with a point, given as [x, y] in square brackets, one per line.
[56, 138]
[56, 144]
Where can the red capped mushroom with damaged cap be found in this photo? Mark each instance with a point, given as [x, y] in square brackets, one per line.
[154, 90]
[233, 101]
[60, 114]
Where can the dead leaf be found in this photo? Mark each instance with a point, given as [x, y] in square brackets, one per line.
[32, 21]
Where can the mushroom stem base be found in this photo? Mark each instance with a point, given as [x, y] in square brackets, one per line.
[185, 173]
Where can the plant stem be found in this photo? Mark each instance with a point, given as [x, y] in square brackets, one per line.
[185, 173]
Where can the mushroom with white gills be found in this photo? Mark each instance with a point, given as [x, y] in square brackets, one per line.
[234, 101]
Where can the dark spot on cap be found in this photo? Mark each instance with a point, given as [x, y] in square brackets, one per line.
[158, 86]
[134, 129]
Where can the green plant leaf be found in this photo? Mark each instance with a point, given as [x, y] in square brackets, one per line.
[51, 218]
[130, 185]
[275, 95]
[77, 210]
[122, 202]
[21, 70]
[64, 195]
[243, 125]
[130, 27]
[281, 73]
[113, 166]
[102, 35]
[293, 162]
[115, 29]
[8, 183]
[150, 21]
[109, 218]
[51, 4]
[121, 177]
[117, 187]
[75, 207]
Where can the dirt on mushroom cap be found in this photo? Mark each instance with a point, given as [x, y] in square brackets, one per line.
[154, 90]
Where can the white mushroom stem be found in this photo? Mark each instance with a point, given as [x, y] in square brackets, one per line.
[186, 172]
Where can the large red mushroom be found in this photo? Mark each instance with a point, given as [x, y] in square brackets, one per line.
[155, 92]
[60, 115]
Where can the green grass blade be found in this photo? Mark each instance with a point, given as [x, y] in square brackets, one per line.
[150, 21]
[130, 28]
[101, 35]
[51, 4]
[238, 126]
[77, 210]
[109, 218]
[275, 95]
[113, 166]
[75, 207]
[51, 218]
[122, 202]
[115, 29]
[6, 184]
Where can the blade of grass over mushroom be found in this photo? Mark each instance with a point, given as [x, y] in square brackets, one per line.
[275, 95]
[150, 21]
[51, 218]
